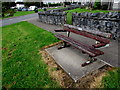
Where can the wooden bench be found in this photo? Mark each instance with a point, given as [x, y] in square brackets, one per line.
[92, 50]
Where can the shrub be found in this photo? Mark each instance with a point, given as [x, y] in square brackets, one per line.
[97, 4]
[10, 12]
[45, 9]
[104, 7]
[69, 18]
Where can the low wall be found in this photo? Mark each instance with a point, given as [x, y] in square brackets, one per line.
[105, 22]
[50, 17]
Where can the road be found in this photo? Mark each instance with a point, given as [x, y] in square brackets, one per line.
[9, 21]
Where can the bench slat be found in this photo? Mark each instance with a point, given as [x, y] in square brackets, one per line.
[100, 39]
[99, 45]
[99, 33]
[88, 49]
[60, 30]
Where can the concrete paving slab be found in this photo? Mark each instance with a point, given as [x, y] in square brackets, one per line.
[110, 55]
[70, 59]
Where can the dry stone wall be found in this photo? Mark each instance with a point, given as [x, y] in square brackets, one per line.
[56, 18]
[105, 22]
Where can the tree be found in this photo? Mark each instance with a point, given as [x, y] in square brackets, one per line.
[8, 4]
[97, 4]
[110, 4]
[41, 4]
[6, 8]
[28, 4]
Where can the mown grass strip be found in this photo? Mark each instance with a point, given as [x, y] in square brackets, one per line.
[19, 13]
[112, 79]
[22, 63]
[79, 10]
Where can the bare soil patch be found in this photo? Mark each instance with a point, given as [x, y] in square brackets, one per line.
[92, 80]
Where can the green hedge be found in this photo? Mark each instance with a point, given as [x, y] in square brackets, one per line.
[69, 18]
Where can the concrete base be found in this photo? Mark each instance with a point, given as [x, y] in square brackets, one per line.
[70, 59]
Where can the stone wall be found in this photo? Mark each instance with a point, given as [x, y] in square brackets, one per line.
[105, 22]
[50, 17]
[55, 16]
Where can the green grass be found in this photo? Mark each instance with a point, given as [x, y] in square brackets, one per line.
[39, 10]
[56, 8]
[20, 13]
[112, 79]
[22, 63]
[79, 10]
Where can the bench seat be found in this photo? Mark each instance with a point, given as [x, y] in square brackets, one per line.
[97, 38]
[85, 48]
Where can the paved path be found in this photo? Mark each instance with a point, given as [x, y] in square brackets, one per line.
[45, 26]
[9, 21]
[111, 52]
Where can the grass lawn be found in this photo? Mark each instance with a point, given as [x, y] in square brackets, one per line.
[79, 10]
[39, 10]
[22, 63]
[20, 13]
[56, 8]
[112, 79]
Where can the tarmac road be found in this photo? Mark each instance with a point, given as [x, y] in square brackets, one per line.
[12, 20]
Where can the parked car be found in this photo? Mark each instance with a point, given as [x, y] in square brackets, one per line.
[24, 9]
[19, 9]
[32, 8]
[36, 10]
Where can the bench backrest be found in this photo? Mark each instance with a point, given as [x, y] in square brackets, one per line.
[99, 33]
[96, 35]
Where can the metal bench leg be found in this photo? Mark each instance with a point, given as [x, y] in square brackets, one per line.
[68, 33]
[83, 52]
[91, 60]
[64, 45]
